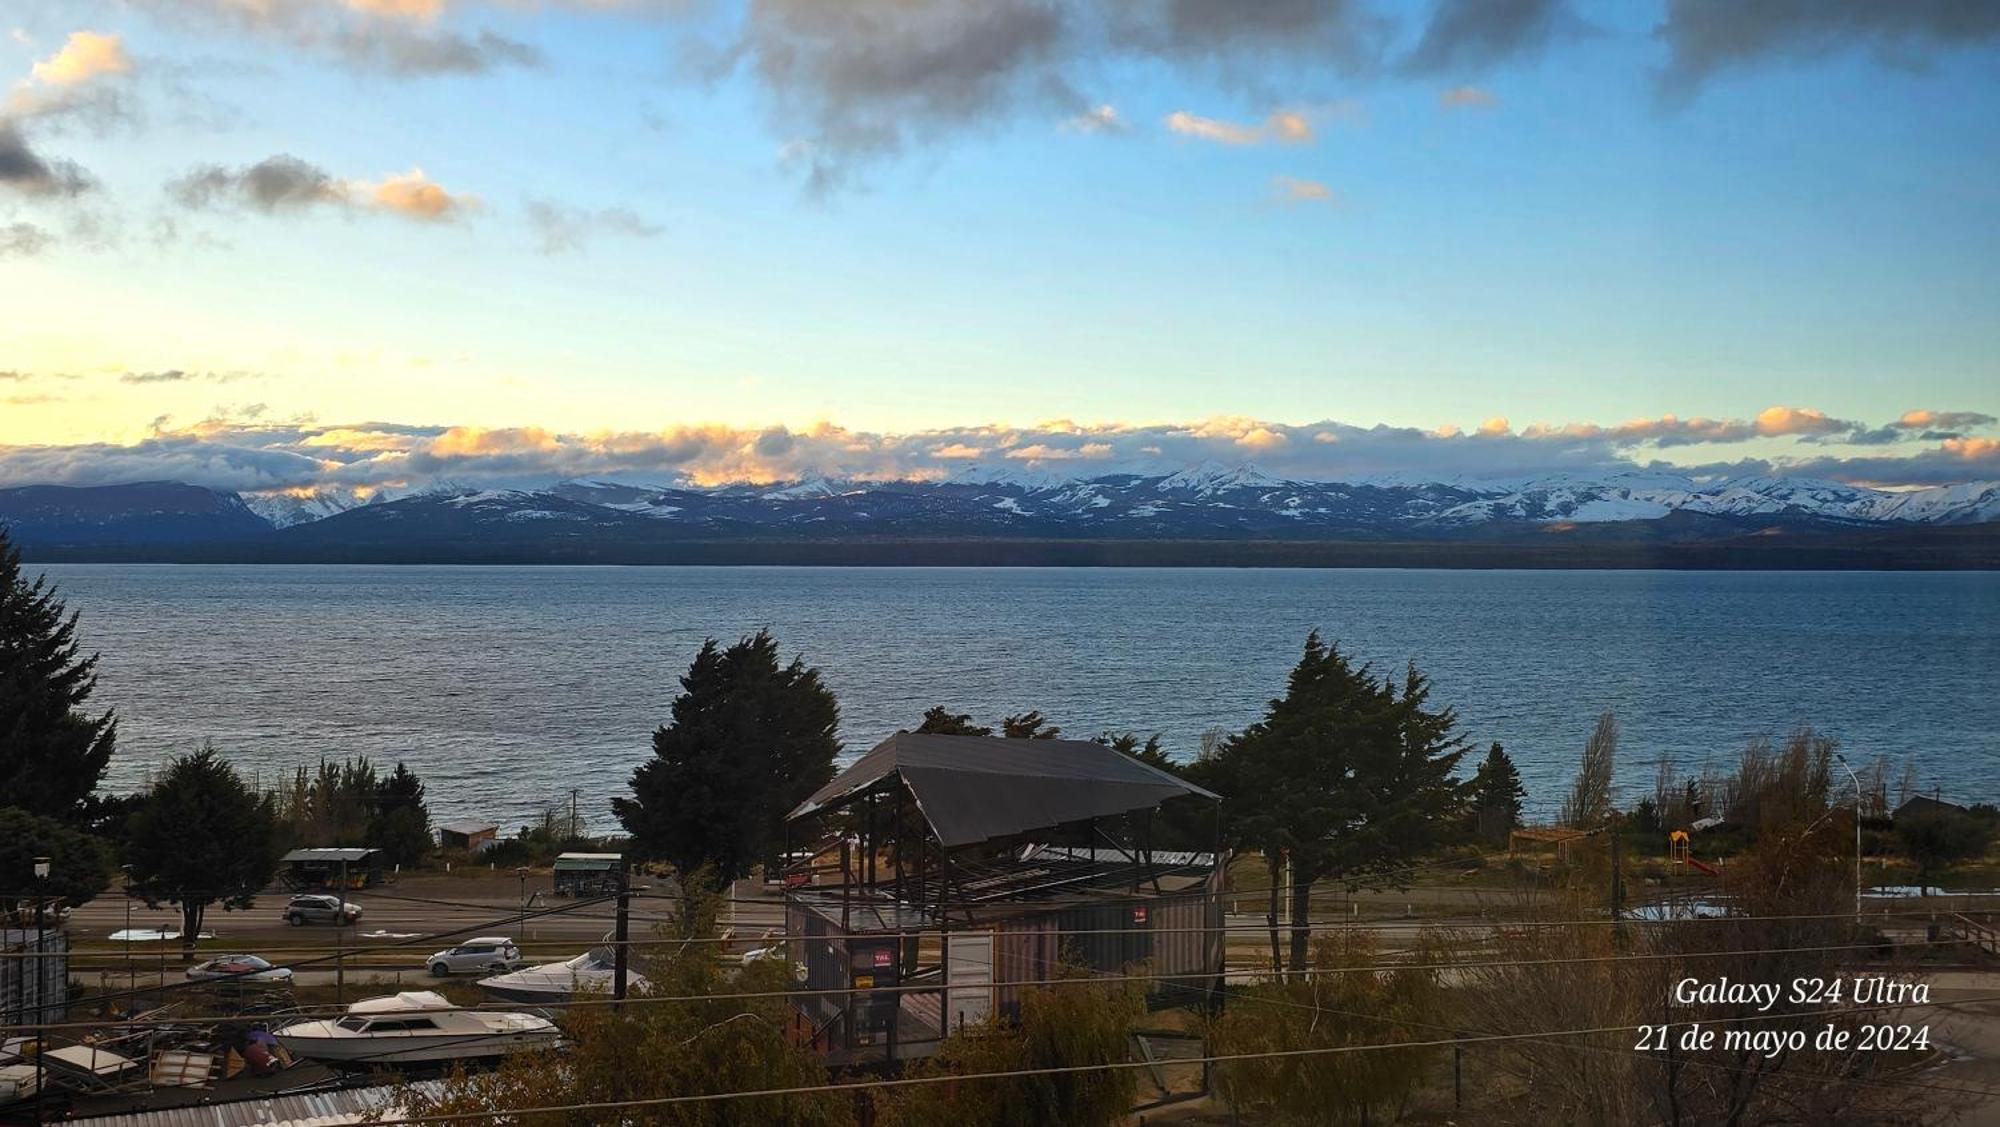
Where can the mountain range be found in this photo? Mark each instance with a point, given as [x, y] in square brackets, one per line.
[1214, 505]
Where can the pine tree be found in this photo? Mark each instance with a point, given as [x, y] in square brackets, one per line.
[52, 752]
[941, 721]
[1345, 775]
[200, 837]
[1031, 725]
[747, 741]
[402, 824]
[1496, 795]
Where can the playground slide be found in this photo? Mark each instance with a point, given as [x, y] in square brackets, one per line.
[1709, 869]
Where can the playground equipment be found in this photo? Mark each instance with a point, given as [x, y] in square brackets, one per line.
[1680, 851]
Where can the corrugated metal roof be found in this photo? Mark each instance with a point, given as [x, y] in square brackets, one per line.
[469, 828]
[354, 854]
[301, 1109]
[974, 788]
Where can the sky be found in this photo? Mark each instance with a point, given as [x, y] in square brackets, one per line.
[292, 244]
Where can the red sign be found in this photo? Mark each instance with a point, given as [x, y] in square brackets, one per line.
[1138, 915]
[884, 957]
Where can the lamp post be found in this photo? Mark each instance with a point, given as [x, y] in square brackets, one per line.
[1856, 780]
[131, 983]
[522, 872]
[41, 986]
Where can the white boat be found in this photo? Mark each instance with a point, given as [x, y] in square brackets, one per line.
[415, 1027]
[553, 984]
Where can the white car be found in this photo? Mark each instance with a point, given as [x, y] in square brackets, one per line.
[489, 954]
[238, 968]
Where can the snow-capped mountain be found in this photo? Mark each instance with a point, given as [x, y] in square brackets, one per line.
[287, 508]
[1201, 503]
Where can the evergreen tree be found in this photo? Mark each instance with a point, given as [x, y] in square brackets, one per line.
[747, 741]
[79, 864]
[52, 752]
[202, 837]
[941, 721]
[402, 825]
[1030, 725]
[1496, 795]
[1345, 775]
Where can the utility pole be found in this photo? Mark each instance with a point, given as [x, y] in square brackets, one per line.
[340, 939]
[621, 958]
[1617, 880]
[40, 966]
[1856, 780]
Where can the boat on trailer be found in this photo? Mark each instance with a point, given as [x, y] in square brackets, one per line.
[415, 1027]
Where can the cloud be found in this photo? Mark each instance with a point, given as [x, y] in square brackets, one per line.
[86, 55]
[178, 375]
[1474, 35]
[415, 196]
[1467, 97]
[561, 229]
[1943, 420]
[1705, 37]
[23, 240]
[393, 36]
[255, 453]
[1292, 190]
[863, 79]
[1097, 119]
[1290, 127]
[285, 183]
[27, 172]
[860, 81]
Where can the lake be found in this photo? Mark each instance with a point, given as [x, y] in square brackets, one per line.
[507, 688]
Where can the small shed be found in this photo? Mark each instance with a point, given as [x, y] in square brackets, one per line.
[473, 837]
[587, 874]
[325, 868]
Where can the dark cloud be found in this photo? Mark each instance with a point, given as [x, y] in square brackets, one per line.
[1707, 36]
[26, 171]
[403, 50]
[1231, 35]
[23, 240]
[1472, 35]
[865, 78]
[560, 229]
[279, 183]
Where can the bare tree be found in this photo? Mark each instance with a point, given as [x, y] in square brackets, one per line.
[1589, 802]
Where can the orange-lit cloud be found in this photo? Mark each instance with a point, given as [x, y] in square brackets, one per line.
[414, 196]
[85, 55]
[1293, 190]
[1288, 127]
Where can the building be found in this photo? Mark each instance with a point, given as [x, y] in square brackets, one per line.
[472, 837]
[950, 873]
[34, 975]
[307, 869]
[587, 874]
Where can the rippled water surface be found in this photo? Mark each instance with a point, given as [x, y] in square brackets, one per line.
[507, 687]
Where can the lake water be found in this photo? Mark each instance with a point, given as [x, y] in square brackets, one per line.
[505, 688]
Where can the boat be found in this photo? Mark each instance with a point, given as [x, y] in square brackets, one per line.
[415, 1027]
[553, 984]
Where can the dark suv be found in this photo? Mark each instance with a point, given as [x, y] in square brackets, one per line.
[316, 909]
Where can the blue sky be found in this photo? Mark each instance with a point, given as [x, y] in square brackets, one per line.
[885, 219]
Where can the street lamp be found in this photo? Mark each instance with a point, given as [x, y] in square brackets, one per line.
[1856, 780]
[522, 872]
[130, 983]
[41, 986]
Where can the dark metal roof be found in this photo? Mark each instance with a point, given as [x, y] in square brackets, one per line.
[974, 788]
[328, 854]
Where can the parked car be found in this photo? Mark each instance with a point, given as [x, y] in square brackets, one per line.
[489, 954]
[238, 968]
[320, 910]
